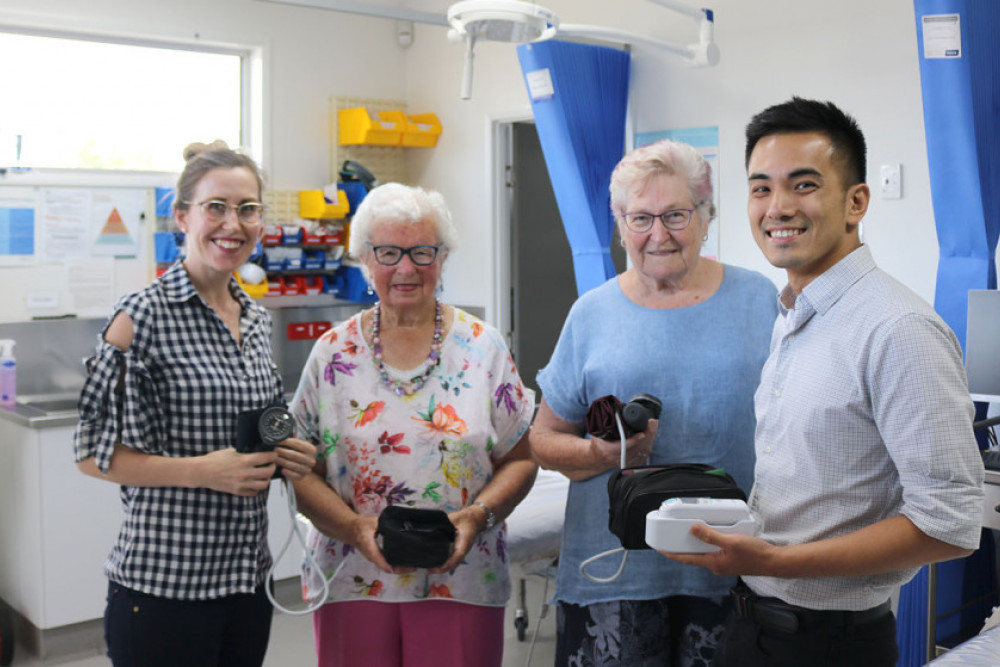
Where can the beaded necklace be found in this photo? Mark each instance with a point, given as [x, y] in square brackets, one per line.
[412, 386]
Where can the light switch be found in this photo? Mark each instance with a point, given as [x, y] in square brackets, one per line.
[892, 181]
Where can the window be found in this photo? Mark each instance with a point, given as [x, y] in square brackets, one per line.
[74, 102]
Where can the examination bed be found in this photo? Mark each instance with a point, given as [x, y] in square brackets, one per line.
[983, 650]
[534, 534]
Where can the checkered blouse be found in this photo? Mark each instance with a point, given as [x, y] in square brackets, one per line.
[176, 392]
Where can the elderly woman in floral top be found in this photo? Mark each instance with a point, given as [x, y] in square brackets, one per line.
[412, 403]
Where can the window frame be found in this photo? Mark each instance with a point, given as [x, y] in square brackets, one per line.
[251, 129]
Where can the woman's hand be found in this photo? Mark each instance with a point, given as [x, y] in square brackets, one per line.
[637, 448]
[469, 522]
[561, 445]
[363, 538]
[296, 458]
[229, 471]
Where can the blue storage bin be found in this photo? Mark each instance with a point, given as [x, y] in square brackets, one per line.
[166, 249]
[272, 261]
[164, 202]
[355, 191]
[354, 287]
[313, 259]
[332, 284]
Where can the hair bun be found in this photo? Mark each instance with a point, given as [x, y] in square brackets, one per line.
[197, 148]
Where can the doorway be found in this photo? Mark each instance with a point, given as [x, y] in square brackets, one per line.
[537, 285]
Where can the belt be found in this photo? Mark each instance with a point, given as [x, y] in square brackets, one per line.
[774, 614]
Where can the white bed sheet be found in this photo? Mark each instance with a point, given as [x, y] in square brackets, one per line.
[983, 650]
[534, 528]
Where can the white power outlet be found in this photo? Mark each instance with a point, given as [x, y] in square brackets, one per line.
[892, 181]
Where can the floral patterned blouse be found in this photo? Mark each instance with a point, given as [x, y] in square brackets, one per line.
[434, 449]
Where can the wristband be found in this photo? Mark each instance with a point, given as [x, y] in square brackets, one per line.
[491, 518]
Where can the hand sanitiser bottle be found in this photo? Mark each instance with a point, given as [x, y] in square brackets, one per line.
[8, 374]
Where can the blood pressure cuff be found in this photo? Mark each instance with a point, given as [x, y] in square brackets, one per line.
[414, 537]
[600, 418]
[635, 492]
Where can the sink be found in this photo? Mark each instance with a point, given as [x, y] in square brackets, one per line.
[54, 405]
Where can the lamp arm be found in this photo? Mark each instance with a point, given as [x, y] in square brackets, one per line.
[623, 36]
[470, 43]
[681, 8]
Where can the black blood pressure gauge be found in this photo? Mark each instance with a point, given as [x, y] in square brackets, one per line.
[275, 425]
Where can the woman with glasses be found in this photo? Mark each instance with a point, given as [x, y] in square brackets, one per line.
[411, 403]
[176, 365]
[692, 332]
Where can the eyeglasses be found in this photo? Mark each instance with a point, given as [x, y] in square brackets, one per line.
[675, 219]
[216, 210]
[391, 255]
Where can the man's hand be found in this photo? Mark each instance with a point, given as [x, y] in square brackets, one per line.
[737, 555]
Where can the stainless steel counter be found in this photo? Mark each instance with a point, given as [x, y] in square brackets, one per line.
[43, 411]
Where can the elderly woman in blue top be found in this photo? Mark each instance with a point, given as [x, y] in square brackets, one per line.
[175, 365]
[692, 332]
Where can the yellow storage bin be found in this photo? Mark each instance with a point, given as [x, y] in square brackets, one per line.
[256, 291]
[422, 130]
[358, 126]
[313, 205]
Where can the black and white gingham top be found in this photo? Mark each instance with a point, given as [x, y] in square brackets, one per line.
[184, 380]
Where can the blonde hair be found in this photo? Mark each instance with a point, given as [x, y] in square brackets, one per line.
[202, 158]
[663, 157]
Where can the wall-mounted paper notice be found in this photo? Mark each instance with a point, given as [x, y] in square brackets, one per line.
[942, 36]
[91, 283]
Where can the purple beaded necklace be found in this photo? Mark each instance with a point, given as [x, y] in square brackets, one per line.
[412, 386]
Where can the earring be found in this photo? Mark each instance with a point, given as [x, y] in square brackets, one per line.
[440, 287]
[704, 238]
[370, 290]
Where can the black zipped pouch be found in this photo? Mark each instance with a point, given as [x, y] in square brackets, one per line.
[413, 537]
[635, 492]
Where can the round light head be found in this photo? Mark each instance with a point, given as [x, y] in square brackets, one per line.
[502, 20]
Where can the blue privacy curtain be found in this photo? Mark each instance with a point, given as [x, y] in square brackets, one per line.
[960, 82]
[579, 95]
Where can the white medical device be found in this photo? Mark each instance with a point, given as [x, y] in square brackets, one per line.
[669, 527]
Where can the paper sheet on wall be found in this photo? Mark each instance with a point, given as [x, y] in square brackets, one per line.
[706, 140]
[117, 215]
[17, 228]
[64, 224]
[82, 222]
[92, 285]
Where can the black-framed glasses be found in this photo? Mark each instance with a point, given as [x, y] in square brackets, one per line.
[675, 219]
[216, 210]
[391, 255]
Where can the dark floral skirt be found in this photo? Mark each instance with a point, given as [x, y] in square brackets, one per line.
[678, 631]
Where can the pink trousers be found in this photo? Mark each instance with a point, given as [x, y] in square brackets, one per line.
[428, 633]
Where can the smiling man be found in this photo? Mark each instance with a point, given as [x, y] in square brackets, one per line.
[867, 467]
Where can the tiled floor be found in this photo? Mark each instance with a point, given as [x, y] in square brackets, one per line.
[292, 640]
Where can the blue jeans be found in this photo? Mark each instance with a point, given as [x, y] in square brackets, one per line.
[147, 631]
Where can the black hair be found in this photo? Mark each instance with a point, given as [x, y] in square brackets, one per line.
[802, 115]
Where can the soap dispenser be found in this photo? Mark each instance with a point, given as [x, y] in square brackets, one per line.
[8, 374]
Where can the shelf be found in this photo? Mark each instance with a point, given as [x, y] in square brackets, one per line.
[305, 300]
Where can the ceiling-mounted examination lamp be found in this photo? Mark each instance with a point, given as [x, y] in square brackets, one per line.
[518, 21]
[497, 21]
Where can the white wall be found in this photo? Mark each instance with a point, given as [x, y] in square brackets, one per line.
[861, 55]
